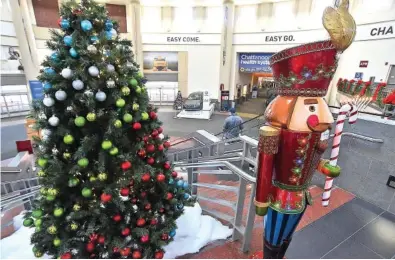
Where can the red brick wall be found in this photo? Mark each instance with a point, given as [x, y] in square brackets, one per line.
[46, 13]
[118, 13]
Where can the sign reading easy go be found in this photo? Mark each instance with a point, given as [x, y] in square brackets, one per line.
[254, 62]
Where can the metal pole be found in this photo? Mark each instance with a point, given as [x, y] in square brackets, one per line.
[239, 209]
[6, 106]
[250, 221]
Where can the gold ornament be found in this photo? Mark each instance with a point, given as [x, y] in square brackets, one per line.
[102, 176]
[43, 191]
[52, 230]
[66, 156]
[41, 173]
[76, 207]
[53, 192]
[73, 226]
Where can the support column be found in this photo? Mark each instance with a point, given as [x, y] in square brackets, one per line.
[227, 45]
[134, 27]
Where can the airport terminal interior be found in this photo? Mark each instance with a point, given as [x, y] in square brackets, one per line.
[200, 129]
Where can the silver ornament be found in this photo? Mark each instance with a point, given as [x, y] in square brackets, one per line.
[60, 95]
[110, 83]
[42, 116]
[93, 71]
[124, 198]
[41, 147]
[69, 108]
[88, 93]
[48, 101]
[78, 84]
[46, 131]
[55, 151]
[128, 238]
[92, 49]
[67, 73]
[101, 96]
[161, 136]
[110, 68]
[53, 121]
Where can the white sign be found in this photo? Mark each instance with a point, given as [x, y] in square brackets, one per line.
[365, 32]
[198, 39]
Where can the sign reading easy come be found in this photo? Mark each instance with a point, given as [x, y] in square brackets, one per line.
[254, 62]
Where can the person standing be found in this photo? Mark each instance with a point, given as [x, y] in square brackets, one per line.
[233, 125]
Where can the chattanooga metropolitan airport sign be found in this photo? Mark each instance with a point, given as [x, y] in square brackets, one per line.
[162, 38]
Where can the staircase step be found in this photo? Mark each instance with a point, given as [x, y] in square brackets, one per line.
[218, 214]
[222, 202]
[216, 186]
[216, 172]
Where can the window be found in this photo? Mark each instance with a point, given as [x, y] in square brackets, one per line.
[46, 13]
[118, 13]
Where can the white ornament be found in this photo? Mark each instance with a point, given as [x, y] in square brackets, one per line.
[124, 198]
[53, 121]
[69, 108]
[110, 68]
[42, 116]
[60, 95]
[92, 49]
[101, 96]
[128, 238]
[110, 83]
[48, 101]
[55, 151]
[67, 73]
[93, 71]
[161, 136]
[42, 147]
[88, 93]
[78, 84]
[46, 132]
[114, 33]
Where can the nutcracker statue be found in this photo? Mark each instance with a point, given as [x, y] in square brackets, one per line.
[298, 123]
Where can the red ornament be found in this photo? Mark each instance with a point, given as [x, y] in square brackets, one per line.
[146, 138]
[147, 206]
[124, 191]
[93, 237]
[134, 200]
[140, 222]
[105, 197]
[146, 177]
[126, 165]
[160, 130]
[167, 144]
[150, 148]
[131, 183]
[154, 133]
[174, 174]
[150, 161]
[136, 254]
[169, 195]
[90, 247]
[77, 11]
[161, 210]
[166, 165]
[143, 194]
[160, 148]
[160, 177]
[165, 236]
[141, 153]
[152, 115]
[144, 238]
[117, 218]
[67, 255]
[125, 232]
[115, 249]
[101, 240]
[125, 251]
[154, 221]
[136, 126]
[59, 21]
[159, 254]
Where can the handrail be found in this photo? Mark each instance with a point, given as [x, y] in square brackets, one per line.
[362, 137]
[362, 112]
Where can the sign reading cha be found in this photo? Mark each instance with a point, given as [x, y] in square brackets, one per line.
[183, 39]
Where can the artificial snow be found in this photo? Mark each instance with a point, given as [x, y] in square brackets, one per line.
[194, 232]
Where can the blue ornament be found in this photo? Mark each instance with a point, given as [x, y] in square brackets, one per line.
[171, 181]
[68, 40]
[50, 71]
[106, 53]
[47, 86]
[108, 35]
[180, 206]
[172, 233]
[185, 185]
[86, 25]
[73, 53]
[180, 183]
[94, 39]
[108, 25]
[186, 196]
[65, 24]
[55, 56]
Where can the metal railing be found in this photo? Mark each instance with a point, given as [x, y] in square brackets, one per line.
[164, 95]
[14, 103]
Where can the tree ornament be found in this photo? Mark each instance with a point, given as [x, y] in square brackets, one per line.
[38, 222]
[73, 226]
[133, 82]
[166, 165]
[101, 239]
[73, 182]
[64, 24]
[79, 121]
[108, 35]
[144, 116]
[105, 198]
[164, 236]
[146, 177]
[140, 222]
[94, 39]
[147, 206]
[143, 194]
[169, 196]
[160, 177]
[126, 165]
[150, 161]
[73, 53]
[185, 185]
[138, 90]
[60, 95]
[114, 33]
[67, 255]
[56, 242]
[110, 83]
[66, 73]
[108, 25]
[90, 247]
[118, 123]
[159, 254]
[42, 162]
[166, 144]
[28, 222]
[52, 230]
[144, 238]
[48, 101]
[92, 178]
[187, 196]
[91, 117]
[38, 213]
[101, 96]
[47, 86]
[66, 155]
[91, 49]
[180, 183]
[124, 192]
[120, 102]
[127, 118]
[154, 133]
[53, 121]
[50, 197]
[102, 176]
[86, 25]
[76, 207]
[43, 191]
[105, 145]
[41, 173]
[49, 71]
[141, 153]
[93, 71]
[152, 115]
[83, 162]
[125, 232]
[53, 191]
[136, 126]
[78, 84]
[117, 218]
[55, 57]
[136, 254]
[114, 151]
[125, 92]
[68, 40]
[160, 148]
[86, 192]
[150, 148]
[58, 212]
[180, 206]
[110, 68]
[38, 254]
[124, 251]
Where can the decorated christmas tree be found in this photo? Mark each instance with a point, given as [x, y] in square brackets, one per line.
[107, 189]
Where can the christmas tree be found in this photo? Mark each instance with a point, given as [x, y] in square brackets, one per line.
[107, 189]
